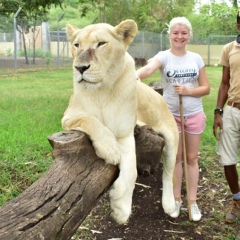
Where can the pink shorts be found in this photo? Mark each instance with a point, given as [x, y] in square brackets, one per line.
[194, 124]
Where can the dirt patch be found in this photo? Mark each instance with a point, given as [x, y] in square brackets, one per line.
[149, 222]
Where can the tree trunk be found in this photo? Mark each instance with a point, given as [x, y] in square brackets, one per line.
[55, 205]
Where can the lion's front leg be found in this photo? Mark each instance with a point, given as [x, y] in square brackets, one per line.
[103, 140]
[107, 148]
[122, 189]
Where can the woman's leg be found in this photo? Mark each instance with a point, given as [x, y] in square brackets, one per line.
[178, 172]
[192, 149]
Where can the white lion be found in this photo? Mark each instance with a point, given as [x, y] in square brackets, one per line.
[108, 101]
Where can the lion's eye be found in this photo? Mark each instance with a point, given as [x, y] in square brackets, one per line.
[101, 44]
[76, 45]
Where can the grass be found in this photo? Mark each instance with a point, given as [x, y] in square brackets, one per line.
[32, 105]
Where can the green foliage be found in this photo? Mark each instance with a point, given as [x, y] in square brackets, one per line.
[39, 53]
[8, 7]
[214, 18]
[6, 24]
[71, 15]
[220, 19]
[9, 52]
[29, 8]
[72, 3]
[151, 14]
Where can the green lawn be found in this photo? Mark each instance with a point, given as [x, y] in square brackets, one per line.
[32, 105]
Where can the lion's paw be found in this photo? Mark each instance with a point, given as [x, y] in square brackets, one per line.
[108, 150]
[120, 201]
[168, 204]
[120, 216]
[121, 209]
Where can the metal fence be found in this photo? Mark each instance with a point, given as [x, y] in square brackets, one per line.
[52, 49]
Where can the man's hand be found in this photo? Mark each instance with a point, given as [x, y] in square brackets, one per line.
[218, 123]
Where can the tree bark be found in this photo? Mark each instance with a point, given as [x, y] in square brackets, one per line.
[54, 206]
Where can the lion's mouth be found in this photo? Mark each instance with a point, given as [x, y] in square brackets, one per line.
[84, 80]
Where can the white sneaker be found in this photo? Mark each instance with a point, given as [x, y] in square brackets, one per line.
[195, 212]
[176, 212]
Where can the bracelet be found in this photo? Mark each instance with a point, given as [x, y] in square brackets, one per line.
[218, 111]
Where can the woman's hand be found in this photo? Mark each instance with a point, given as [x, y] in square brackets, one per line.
[181, 89]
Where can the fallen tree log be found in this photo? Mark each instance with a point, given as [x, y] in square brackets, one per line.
[54, 206]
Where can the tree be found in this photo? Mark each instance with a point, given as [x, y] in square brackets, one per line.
[153, 14]
[32, 12]
[235, 3]
[215, 19]
[108, 11]
[6, 9]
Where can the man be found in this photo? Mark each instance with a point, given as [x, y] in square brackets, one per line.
[229, 121]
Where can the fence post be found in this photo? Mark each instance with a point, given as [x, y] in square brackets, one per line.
[209, 44]
[58, 56]
[161, 37]
[15, 37]
[45, 37]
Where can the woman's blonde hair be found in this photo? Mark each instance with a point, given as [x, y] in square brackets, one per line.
[182, 21]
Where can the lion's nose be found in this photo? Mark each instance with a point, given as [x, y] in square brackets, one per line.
[82, 69]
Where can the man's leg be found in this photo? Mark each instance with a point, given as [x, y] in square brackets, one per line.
[231, 175]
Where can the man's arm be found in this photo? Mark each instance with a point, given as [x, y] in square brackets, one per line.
[222, 98]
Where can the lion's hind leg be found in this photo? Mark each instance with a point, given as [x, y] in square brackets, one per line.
[122, 189]
[170, 136]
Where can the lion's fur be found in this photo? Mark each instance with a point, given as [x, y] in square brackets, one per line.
[108, 101]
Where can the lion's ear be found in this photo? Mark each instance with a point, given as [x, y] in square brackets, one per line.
[127, 29]
[70, 29]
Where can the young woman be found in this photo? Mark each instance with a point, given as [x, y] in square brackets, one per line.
[183, 73]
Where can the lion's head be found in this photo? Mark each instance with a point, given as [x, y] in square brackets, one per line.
[100, 52]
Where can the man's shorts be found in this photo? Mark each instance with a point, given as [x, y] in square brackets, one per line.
[229, 141]
[194, 124]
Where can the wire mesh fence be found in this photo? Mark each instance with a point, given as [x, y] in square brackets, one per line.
[34, 45]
